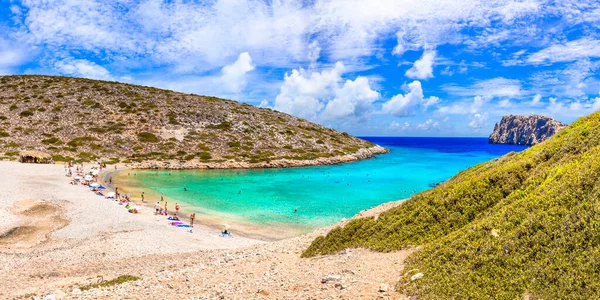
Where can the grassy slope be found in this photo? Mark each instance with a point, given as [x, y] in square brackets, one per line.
[82, 119]
[526, 223]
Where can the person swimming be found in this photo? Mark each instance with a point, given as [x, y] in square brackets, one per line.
[185, 189]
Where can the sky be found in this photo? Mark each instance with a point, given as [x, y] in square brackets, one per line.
[370, 68]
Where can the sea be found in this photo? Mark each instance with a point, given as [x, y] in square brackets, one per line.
[280, 203]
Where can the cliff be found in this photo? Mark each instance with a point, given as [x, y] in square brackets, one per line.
[145, 127]
[524, 130]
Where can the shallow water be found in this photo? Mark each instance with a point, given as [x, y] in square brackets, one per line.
[288, 202]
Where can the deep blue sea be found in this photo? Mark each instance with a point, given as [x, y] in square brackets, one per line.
[303, 199]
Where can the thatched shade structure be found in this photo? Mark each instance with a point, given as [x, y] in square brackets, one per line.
[35, 157]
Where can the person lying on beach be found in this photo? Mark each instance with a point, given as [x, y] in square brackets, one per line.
[174, 218]
[225, 233]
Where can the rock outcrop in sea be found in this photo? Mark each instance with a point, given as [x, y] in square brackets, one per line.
[524, 130]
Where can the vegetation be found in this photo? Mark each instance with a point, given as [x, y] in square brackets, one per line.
[527, 223]
[147, 137]
[119, 280]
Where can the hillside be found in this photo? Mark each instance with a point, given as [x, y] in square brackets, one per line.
[524, 225]
[524, 130]
[85, 120]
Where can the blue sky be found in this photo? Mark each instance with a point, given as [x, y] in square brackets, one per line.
[378, 67]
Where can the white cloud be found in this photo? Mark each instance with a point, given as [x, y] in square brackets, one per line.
[566, 52]
[495, 87]
[428, 125]
[82, 68]
[355, 99]
[397, 126]
[264, 104]
[464, 107]
[321, 95]
[478, 120]
[404, 105]
[11, 56]
[234, 75]
[536, 99]
[423, 67]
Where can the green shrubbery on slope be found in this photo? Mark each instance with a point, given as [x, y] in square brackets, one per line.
[527, 222]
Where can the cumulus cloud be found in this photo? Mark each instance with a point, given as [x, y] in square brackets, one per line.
[325, 95]
[82, 68]
[234, 75]
[403, 105]
[478, 120]
[355, 99]
[423, 67]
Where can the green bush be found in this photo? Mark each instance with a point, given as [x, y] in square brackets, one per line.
[147, 137]
[204, 155]
[26, 113]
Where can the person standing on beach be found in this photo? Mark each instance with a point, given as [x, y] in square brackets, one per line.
[157, 206]
[192, 217]
[166, 212]
[176, 207]
[117, 193]
[162, 197]
[142, 196]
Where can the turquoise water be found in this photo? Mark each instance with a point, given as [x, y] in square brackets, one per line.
[321, 195]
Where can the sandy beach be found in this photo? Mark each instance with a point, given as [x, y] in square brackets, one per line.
[56, 238]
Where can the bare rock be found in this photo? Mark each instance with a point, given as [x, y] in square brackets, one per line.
[417, 276]
[524, 130]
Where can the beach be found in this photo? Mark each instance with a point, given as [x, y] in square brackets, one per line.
[56, 237]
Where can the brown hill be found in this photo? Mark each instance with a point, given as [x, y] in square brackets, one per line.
[84, 120]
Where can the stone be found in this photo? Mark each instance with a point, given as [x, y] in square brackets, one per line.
[524, 130]
[334, 278]
[49, 296]
[383, 288]
[417, 276]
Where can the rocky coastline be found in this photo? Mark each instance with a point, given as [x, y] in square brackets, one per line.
[361, 154]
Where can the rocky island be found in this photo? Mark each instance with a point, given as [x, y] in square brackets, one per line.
[524, 130]
[144, 127]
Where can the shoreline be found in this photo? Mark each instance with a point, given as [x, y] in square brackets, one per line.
[183, 213]
[361, 154]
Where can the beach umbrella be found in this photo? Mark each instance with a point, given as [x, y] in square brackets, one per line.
[87, 177]
[110, 195]
[77, 177]
[102, 187]
[94, 185]
[94, 172]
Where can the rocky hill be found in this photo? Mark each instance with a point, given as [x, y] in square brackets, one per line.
[524, 130]
[85, 120]
[523, 226]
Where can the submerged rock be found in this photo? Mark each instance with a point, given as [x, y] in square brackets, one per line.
[524, 130]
